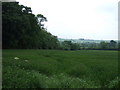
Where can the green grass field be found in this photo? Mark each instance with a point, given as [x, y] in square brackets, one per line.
[60, 69]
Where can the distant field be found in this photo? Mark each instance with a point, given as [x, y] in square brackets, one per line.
[60, 69]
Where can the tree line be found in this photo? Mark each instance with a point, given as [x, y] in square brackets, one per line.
[69, 45]
[21, 29]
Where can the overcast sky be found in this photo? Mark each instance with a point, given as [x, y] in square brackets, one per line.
[73, 19]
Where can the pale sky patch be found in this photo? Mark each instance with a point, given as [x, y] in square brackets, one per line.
[90, 19]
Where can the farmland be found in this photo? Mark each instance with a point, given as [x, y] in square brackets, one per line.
[60, 69]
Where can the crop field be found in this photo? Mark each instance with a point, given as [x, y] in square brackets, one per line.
[60, 69]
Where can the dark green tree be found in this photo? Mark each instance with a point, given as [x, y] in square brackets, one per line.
[104, 45]
[24, 30]
[113, 44]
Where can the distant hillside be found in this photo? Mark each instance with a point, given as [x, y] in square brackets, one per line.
[82, 40]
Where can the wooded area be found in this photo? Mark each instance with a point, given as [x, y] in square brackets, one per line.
[24, 30]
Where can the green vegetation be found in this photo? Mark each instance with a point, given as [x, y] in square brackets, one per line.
[87, 45]
[60, 69]
[40, 68]
[24, 30]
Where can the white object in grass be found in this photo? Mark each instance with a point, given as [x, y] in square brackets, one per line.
[26, 60]
[16, 58]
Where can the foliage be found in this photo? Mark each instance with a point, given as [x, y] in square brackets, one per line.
[60, 69]
[68, 45]
[103, 45]
[24, 30]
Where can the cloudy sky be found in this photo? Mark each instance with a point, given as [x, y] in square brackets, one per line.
[73, 19]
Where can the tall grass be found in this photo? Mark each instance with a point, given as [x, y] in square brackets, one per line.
[60, 69]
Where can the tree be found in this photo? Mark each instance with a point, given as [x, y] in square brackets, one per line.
[113, 44]
[75, 46]
[41, 19]
[22, 29]
[66, 45]
[103, 45]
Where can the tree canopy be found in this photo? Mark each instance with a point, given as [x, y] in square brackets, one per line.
[24, 30]
[21, 29]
